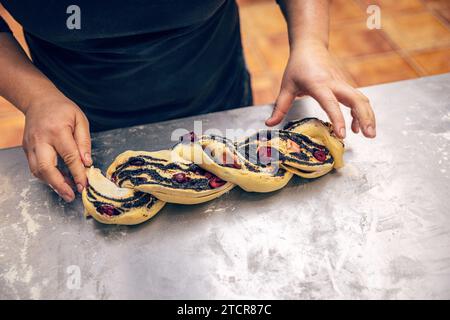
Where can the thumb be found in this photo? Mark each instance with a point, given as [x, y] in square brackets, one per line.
[282, 106]
[83, 140]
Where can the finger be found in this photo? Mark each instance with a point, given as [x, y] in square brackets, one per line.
[83, 140]
[330, 105]
[361, 106]
[68, 180]
[281, 108]
[60, 165]
[32, 163]
[355, 122]
[46, 168]
[68, 150]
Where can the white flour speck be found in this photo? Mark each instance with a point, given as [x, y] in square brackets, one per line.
[446, 117]
[11, 275]
[24, 205]
[445, 135]
[35, 293]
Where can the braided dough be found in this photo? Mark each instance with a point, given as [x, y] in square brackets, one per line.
[110, 204]
[200, 169]
[167, 176]
[222, 158]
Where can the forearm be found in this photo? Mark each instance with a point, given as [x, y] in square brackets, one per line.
[21, 82]
[308, 21]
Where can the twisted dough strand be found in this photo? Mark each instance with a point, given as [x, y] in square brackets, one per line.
[199, 169]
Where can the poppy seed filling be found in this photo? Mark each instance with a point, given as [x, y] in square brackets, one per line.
[103, 206]
[142, 169]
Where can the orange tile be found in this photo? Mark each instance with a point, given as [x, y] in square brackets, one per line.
[275, 51]
[264, 90]
[253, 58]
[379, 69]
[388, 6]
[12, 131]
[445, 14]
[260, 55]
[263, 19]
[249, 31]
[440, 8]
[416, 30]
[7, 108]
[12, 122]
[341, 10]
[355, 39]
[263, 96]
[433, 61]
[437, 4]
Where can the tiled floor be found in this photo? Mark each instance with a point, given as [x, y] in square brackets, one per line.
[414, 41]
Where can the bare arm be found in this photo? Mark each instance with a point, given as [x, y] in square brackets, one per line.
[20, 82]
[311, 71]
[307, 21]
[54, 125]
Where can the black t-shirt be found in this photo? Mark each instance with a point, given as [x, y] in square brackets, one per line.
[138, 61]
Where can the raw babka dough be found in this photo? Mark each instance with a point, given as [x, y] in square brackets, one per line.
[293, 151]
[322, 132]
[200, 169]
[110, 204]
[266, 160]
[167, 176]
[221, 157]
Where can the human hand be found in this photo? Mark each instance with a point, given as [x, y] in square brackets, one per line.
[311, 71]
[55, 126]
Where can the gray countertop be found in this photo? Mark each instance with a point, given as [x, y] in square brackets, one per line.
[378, 228]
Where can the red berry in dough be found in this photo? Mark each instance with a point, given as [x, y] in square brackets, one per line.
[265, 154]
[208, 175]
[216, 182]
[180, 177]
[108, 210]
[320, 155]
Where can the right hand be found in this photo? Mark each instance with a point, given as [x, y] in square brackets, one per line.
[57, 126]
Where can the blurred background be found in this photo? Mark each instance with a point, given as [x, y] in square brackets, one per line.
[414, 41]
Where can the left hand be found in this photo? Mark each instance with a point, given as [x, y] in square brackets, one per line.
[311, 71]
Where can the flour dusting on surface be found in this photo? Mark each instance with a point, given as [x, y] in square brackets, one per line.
[24, 205]
[445, 135]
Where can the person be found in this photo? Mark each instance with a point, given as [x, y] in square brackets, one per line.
[103, 65]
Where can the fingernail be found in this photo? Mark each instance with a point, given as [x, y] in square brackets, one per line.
[79, 188]
[67, 198]
[370, 131]
[88, 158]
[342, 133]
